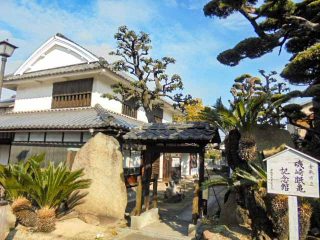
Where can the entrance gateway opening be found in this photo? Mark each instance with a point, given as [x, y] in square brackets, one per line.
[170, 139]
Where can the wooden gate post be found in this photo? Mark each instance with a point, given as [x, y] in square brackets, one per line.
[155, 191]
[201, 176]
[138, 208]
[195, 202]
[146, 178]
[205, 198]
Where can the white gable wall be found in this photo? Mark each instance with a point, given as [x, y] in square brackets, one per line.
[56, 52]
[56, 56]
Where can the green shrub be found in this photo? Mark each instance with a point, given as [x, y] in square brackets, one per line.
[12, 176]
[50, 186]
[43, 186]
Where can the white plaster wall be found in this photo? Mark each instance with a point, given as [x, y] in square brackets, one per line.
[141, 115]
[161, 166]
[167, 117]
[37, 96]
[185, 164]
[4, 154]
[57, 56]
[100, 86]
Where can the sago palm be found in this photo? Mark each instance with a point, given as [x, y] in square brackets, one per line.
[242, 115]
[12, 178]
[49, 187]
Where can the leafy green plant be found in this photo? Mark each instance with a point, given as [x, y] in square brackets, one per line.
[28, 184]
[12, 176]
[49, 187]
[258, 175]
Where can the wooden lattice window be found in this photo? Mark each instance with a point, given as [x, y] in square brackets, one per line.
[128, 108]
[76, 93]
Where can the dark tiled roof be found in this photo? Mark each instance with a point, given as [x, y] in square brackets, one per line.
[68, 118]
[82, 67]
[55, 71]
[68, 39]
[191, 132]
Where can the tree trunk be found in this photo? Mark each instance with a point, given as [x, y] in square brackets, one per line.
[147, 163]
[314, 137]
[232, 149]
[262, 227]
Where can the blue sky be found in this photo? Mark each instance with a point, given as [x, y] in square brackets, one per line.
[178, 28]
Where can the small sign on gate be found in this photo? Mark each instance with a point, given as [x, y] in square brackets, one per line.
[293, 173]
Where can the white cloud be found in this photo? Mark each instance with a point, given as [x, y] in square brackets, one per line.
[35, 23]
[126, 11]
[194, 48]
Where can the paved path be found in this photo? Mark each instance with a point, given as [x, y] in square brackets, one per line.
[173, 224]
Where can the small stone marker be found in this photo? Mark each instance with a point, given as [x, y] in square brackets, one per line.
[293, 173]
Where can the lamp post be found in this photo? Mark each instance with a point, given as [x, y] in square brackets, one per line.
[6, 50]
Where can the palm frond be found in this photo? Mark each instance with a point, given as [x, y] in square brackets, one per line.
[221, 181]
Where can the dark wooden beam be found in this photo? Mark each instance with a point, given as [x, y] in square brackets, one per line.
[176, 149]
[201, 177]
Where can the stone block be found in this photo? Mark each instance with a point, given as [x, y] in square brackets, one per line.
[146, 218]
[90, 219]
[7, 221]
[101, 160]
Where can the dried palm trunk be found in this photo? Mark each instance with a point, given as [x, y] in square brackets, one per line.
[279, 214]
[247, 147]
[22, 208]
[46, 218]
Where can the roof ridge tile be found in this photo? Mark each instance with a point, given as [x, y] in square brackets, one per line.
[48, 110]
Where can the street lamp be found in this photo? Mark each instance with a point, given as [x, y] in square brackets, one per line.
[6, 50]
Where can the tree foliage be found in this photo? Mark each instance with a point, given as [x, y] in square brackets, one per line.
[192, 112]
[255, 101]
[247, 86]
[277, 24]
[151, 81]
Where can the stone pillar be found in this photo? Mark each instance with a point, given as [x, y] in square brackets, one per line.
[102, 162]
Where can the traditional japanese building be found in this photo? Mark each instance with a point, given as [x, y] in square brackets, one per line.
[59, 105]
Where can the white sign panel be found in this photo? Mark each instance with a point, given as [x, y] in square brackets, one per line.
[131, 159]
[175, 162]
[293, 173]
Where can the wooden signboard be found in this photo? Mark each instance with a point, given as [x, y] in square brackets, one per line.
[293, 173]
